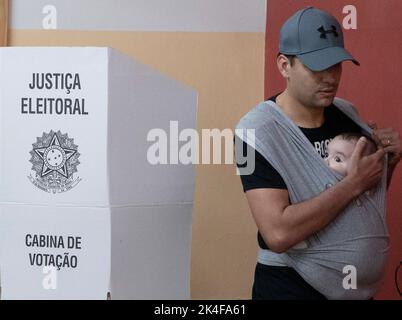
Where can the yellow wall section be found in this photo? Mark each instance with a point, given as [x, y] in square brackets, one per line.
[227, 70]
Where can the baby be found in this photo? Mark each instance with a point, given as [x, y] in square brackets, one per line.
[340, 150]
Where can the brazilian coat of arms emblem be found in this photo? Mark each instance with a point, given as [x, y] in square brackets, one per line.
[54, 159]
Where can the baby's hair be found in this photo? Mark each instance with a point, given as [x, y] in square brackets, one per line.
[354, 137]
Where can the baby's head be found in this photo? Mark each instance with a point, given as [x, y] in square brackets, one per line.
[341, 148]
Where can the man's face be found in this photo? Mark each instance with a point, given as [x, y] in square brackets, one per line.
[314, 89]
[339, 153]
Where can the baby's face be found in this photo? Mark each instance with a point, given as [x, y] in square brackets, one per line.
[339, 154]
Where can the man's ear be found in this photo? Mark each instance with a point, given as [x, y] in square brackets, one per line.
[283, 65]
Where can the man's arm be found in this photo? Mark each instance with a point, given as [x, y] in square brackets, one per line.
[283, 225]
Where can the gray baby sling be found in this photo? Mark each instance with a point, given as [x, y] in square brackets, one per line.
[357, 238]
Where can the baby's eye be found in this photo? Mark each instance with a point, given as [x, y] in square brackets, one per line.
[337, 159]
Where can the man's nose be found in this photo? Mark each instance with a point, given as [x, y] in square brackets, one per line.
[329, 77]
[332, 74]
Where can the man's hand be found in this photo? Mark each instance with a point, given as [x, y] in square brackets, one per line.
[390, 140]
[364, 172]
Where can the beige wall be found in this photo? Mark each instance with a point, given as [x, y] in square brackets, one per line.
[227, 69]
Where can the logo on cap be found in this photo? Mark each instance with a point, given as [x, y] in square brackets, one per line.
[324, 32]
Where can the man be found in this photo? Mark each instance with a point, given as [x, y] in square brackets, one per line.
[310, 59]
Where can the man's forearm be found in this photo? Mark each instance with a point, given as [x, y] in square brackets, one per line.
[301, 220]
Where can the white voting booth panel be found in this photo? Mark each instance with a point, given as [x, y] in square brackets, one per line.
[82, 211]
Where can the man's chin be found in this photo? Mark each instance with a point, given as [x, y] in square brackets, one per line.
[325, 101]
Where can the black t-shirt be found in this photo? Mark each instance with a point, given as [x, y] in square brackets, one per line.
[265, 176]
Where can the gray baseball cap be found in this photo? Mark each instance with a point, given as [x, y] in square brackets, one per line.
[315, 37]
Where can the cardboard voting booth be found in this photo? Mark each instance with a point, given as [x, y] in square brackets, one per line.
[83, 212]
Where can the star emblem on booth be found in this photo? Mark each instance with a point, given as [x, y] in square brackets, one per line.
[54, 157]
